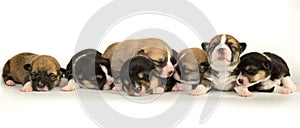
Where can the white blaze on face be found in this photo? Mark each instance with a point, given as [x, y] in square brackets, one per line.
[168, 70]
[222, 55]
[109, 79]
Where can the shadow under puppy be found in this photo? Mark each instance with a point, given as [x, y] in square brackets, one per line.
[223, 56]
[265, 72]
[90, 70]
[34, 72]
[156, 49]
[191, 65]
[140, 75]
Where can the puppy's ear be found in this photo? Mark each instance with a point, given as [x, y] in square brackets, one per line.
[204, 46]
[141, 51]
[174, 57]
[266, 65]
[203, 67]
[62, 70]
[243, 46]
[27, 67]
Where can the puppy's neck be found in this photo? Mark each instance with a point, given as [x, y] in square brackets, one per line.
[224, 68]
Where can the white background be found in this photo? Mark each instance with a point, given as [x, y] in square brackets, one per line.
[53, 27]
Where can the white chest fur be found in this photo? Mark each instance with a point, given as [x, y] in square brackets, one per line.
[223, 80]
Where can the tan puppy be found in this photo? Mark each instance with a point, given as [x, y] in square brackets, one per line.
[156, 49]
[190, 68]
[34, 72]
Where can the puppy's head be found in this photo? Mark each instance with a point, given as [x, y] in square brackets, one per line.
[162, 59]
[191, 65]
[91, 70]
[224, 52]
[253, 68]
[136, 75]
[45, 72]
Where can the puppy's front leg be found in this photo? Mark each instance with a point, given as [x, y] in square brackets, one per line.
[202, 88]
[243, 91]
[71, 86]
[27, 87]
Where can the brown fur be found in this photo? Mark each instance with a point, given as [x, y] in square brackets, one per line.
[108, 53]
[14, 67]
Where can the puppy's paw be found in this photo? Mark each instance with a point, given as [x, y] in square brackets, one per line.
[176, 87]
[282, 90]
[71, 86]
[108, 84]
[243, 91]
[10, 83]
[199, 90]
[158, 90]
[245, 94]
[27, 87]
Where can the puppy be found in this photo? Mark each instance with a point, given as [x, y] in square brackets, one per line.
[223, 56]
[156, 49]
[34, 72]
[88, 69]
[140, 76]
[263, 72]
[190, 68]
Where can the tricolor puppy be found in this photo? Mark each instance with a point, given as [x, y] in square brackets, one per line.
[223, 57]
[190, 68]
[34, 72]
[156, 49]
[263, 72]
[90, 70]
[140, 75]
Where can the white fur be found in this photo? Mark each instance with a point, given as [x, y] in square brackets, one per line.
[243, 91]
[109, 79]
[223, 39]
[223, 81]
[71, 86]
[199, 90]
[281, 90]
[288, 83]
[27, 87]
[268, 84]
[158, 90]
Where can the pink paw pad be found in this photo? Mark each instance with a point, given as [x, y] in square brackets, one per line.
[10, 83]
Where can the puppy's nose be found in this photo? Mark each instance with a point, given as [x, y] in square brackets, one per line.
[138, 89]
[221, 50]
[241, 81]
[170, 73]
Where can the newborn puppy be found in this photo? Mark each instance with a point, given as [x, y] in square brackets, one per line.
[223, 56]
[156, 49]
[190, 68]
[263, 72]
[140, 75]
[88, 69]
[34, 72]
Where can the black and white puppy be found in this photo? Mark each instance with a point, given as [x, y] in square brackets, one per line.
[223, 56]
[140, 76]
[191, 65]
[88, 69]
[263, 72]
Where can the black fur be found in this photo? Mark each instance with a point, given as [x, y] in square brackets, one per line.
[87, 67]
[276, 67]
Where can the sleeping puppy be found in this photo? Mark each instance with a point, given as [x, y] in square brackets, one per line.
[156, 49]
[34, 72]
[88, 69]
[140, 75]
[263, 72]
[190, 68]
[223, 57]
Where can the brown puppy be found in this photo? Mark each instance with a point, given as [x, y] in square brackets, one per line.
[34, 72]
[190, 68]
[156, 49]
